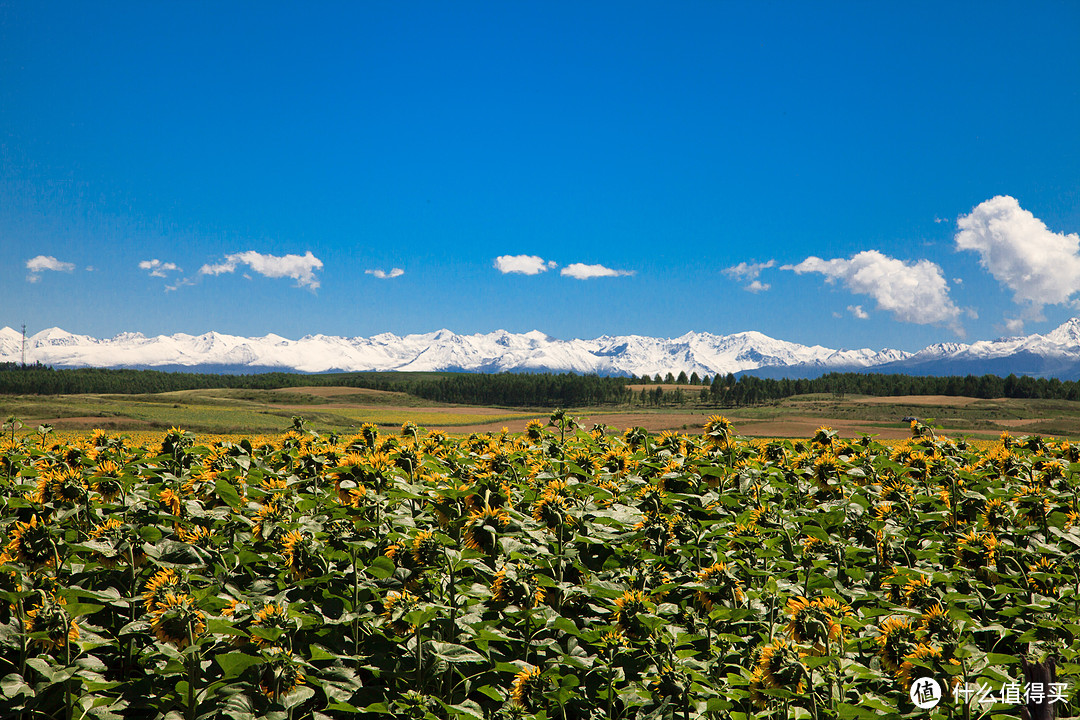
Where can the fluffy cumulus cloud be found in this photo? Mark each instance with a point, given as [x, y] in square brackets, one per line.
[36, 265]
[915, 293]
[750, 271]
[300, 268]
[1041, 267]
[581, 271]
[523, 264]
[158, 268]
[858, 312]
[383, 275]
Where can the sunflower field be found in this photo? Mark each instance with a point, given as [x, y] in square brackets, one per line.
[562, 572]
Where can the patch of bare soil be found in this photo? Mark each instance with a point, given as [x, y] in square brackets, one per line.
[1016, 422]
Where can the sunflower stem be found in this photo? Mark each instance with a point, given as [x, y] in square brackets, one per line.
[67, 682]
[355, 601]
[193, 664]
[419, 660]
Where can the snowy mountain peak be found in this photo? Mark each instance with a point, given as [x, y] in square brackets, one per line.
[1057, 353]
[1067, 334]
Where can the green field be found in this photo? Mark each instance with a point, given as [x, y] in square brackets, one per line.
[225, 411]
[342, 409]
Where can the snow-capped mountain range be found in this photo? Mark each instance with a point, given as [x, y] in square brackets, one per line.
[1055, 354]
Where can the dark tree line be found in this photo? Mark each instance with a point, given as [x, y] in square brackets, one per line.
[523, 390]
[40, 379]
[749, 390]
[537, 389]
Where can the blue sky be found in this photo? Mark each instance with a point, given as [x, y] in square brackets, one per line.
[845, 174]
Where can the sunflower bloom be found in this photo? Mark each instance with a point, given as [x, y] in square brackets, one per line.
[31, 543]
[280, 675]
[527, 689]
[728, 587]
[178, 620]
[51, 618]
[301, 554]
[482, 528]
[272, 616]
[628, 610]
[897, 639]
[163, 582]
[779, 665]
[816, 622]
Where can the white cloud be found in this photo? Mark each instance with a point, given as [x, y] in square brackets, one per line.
[581, 271]
[750, 271]
[300, 268]
[181, 282]
[41, 263]
[158, 268]
[914, 293]
[523, 264]
[858, 312]
[1040, 267]
[383, 275]
[747, 271]
[1014, 325]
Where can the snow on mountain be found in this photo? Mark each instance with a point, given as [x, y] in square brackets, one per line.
[1057, 352]
[500, 351]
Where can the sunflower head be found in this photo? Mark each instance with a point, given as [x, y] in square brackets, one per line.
[280, 674]
[1043, 577]
[977, 551]
[780, 666]
[534, 429]
[302, 555]
[919, 592]
[669, 682]
[816, 621]
[723, 584]
[50, 618]
[197, 535]
[425, 549]
[527, 690]
[178, 620]
[1032, 505]
[68, 485]
[897, 639]
[995, 514]
[32, 543]
[926, 657]
[936, 624]
[272, 617]
[163, 583]
[269, 520]
[483, 527]
[396, 606]
[717, 431]
[515, 585]
[628, 613]
[171, 501]
[551, 510]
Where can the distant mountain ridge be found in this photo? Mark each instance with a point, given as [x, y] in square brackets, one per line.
[1055, 354]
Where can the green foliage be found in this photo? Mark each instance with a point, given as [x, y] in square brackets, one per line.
[557, 573]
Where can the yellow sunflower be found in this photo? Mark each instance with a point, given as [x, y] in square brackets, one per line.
[178, 620]
[526, 692]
